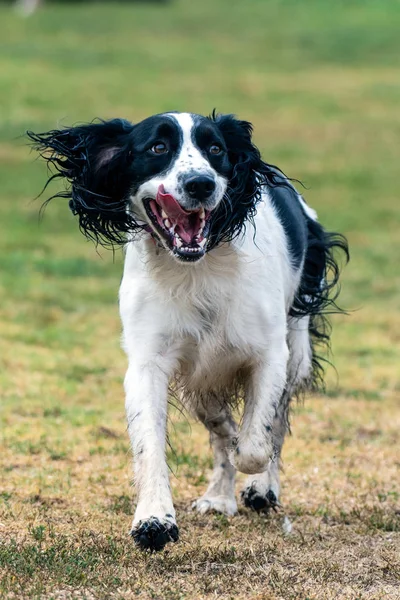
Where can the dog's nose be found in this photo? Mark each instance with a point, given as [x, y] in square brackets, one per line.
[200, 187]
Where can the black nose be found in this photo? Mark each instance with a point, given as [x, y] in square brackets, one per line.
[200, 187]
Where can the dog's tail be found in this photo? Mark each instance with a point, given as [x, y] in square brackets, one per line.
[318, 292]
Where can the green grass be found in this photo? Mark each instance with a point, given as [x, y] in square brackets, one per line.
[320, 83]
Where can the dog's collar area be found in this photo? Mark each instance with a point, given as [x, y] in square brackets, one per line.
[184, 232]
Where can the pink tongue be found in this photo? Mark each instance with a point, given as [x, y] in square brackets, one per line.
[187, 223]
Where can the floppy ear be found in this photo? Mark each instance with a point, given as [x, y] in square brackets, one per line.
[249, 174]
[95, 160]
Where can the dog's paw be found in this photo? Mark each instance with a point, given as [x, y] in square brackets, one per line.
[221, 504]
[257, 501]
[250, 457]
[153, 534]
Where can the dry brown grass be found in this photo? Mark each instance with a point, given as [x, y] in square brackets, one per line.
[66, 507]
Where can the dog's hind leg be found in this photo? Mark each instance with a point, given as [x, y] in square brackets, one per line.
[261, 491]
[220, 494]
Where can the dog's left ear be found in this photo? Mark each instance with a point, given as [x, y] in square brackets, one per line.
[95, 162]
[248, 175]
[243, 155]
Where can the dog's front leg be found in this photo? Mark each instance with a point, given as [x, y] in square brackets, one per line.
[254, 447]
[146, 387]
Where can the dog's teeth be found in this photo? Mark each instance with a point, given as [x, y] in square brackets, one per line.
[164, 214]
[202, 214]
[167, 223]
[180, 244]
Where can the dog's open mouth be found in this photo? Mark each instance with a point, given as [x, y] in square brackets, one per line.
[185, 232]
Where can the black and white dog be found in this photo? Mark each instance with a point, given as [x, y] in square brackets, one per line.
[227, 276]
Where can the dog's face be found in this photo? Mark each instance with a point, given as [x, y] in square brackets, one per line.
[191, 181]
[181, 171]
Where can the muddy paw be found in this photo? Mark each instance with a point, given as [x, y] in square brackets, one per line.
[254, 500]
[153, 534]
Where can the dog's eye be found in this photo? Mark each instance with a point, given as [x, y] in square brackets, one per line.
[159, 148]
[215, 149]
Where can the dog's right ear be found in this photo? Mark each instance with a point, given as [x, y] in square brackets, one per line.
[95, 160]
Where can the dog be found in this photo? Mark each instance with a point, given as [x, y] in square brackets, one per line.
[227, 280]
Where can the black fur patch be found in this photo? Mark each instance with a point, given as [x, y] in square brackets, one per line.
[153, 535]
[290, 212]
[257, 502]
[102, 163]
[95, 160]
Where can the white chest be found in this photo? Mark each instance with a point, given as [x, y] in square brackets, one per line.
[211, 318]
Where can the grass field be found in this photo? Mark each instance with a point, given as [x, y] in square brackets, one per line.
[320, 81]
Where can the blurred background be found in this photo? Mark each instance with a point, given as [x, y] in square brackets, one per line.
[320, 82]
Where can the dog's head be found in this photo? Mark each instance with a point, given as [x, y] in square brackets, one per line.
[190, 181]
